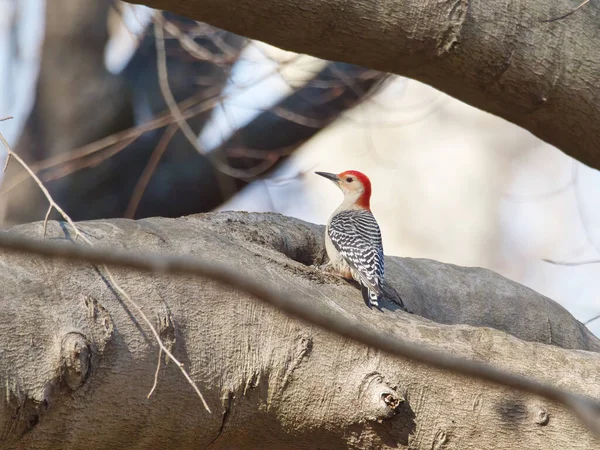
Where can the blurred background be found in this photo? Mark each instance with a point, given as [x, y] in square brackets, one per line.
[127, 112]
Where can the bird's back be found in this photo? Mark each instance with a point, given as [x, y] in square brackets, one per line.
[355, 234]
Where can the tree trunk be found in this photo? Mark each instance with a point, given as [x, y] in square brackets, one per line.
[77, 100]
[496, 55]
[77, 363]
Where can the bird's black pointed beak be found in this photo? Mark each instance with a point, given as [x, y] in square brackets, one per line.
[330, 176]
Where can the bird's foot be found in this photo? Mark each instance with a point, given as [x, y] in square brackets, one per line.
[327, 268]
[329, 272]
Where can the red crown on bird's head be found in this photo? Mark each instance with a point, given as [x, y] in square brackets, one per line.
[365, 199]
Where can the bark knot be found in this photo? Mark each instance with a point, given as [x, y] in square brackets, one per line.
[455, 21]
[100, 322]
[379, 401]
[541, 416]
[75, 360]
[166, 331]
[439, 440]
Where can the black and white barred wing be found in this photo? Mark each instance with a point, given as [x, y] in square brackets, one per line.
[356, 235]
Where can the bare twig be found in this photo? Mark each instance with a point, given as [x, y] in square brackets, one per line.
[583, 216]
[267, 161]
[163, 78]
[572, 263]
[195, 50]
[564, 16]
[8, 154]
[156, 373]
[593, 319]
[587, 409]
[192, 106]
[77, 163]
[46, 220]
[297, 118]
[581, 211]
[126, 296]
[6, 162]
[53, 204]
[189, 107]
[108, 273]
[146, 175]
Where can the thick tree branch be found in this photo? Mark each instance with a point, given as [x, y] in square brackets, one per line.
[496, 55]
[159, 264]
[244, 355]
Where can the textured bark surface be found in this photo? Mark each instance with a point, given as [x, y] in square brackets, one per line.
[496, 55]
[76, 363]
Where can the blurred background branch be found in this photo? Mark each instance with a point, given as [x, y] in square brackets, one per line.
[78, 101]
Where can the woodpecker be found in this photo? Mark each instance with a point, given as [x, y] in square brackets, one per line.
[353, 238]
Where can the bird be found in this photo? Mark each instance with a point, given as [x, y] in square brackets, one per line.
[353, 238]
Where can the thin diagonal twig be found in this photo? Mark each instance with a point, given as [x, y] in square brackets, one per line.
[156, 373]
[163, 78]
[564, 16]
[46, 220]
[6, 162]
[146, 175]
[53, 204]
[95, 159]
[192, 47]
[593, 319]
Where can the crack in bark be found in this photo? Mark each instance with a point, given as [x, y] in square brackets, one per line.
[305, 344]
[225, 418]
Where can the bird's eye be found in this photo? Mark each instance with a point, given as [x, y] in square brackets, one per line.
[349, 179]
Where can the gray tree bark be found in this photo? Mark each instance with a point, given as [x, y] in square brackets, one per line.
[76, 364]
[496, 55]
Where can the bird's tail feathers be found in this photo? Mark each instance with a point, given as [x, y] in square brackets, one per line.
[373, 295]
[392, 295]
[370, 296]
